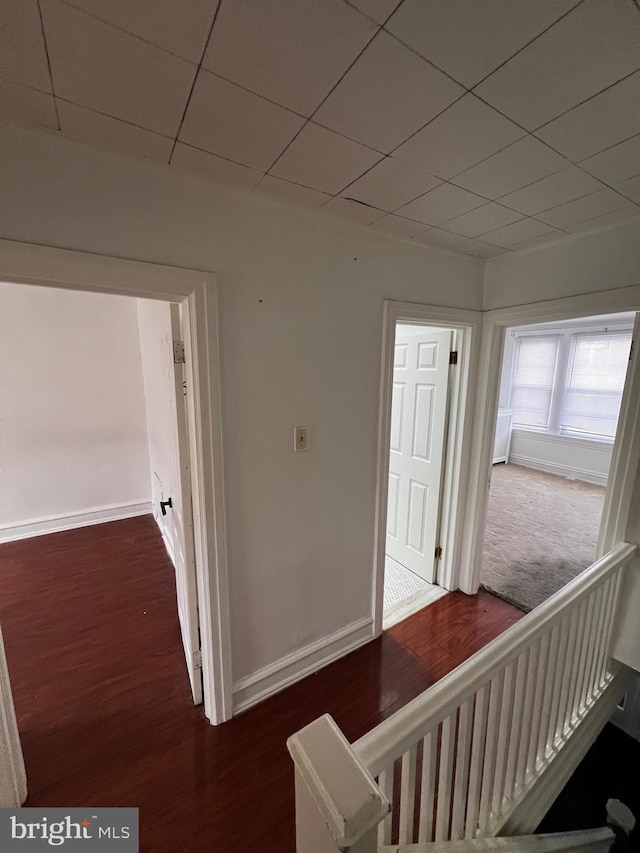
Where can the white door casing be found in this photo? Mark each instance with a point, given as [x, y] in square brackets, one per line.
[195, 291]
[418, 420]
[182, 519]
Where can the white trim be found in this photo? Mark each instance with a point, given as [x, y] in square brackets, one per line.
[24, 263]
[561, 470]
[455, 478]
[13, 780]
[533, 806]
[293, 667]
[70, 520]
[572, 440]
[626, 449]
[403, 609]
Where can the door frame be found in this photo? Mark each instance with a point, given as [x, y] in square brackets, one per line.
[467, 326]
[626, 448]
[195, 291]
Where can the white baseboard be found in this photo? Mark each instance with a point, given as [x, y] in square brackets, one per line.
[272, 679]
[70, 520]
[562, 470]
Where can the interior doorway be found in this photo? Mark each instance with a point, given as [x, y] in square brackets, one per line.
[195, 292]
[422, 362]
[560, 395]
[95, 413]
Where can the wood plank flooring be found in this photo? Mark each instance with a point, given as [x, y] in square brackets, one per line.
[104, 707]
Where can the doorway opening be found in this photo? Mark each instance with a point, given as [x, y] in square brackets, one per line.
[429, 373]
[560, 395]
[423, 359]
[195, 292]
[95, 413]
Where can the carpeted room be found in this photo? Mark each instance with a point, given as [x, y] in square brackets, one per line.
[560, 395]
[541, 531]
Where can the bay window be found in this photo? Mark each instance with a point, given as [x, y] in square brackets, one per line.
[570, 382]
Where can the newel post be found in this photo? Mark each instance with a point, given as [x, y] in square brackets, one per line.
[13, 780]
[338, 804]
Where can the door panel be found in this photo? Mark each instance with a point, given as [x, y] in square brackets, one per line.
[418, 416]
[182, 516]
[159, 324]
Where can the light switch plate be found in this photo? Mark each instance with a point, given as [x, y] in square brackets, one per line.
[300, 439]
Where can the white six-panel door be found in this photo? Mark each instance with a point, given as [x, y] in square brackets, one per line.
[418, 417]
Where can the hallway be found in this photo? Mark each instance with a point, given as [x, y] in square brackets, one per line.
[104, 707]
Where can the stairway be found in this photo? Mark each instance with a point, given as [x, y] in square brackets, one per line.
[476, 761]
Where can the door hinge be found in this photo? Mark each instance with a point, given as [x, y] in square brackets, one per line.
[197, 659]
[631, 350]
[438, 553]
[178, 352]
[453, 357]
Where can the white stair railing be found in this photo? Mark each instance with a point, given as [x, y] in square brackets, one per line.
[459, 761]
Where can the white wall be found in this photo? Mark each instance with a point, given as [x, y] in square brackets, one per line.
[73, 437]
[154, 324]
[577, 458]
[301, 302]
[604, 261]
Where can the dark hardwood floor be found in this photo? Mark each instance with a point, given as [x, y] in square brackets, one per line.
[103, 702]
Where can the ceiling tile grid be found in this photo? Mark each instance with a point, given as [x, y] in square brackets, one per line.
[479, 128]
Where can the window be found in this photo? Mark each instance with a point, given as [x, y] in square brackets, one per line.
[532, 387]
[570, 382]
[593, 390]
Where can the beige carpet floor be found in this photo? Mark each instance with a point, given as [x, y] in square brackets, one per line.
[541, 532]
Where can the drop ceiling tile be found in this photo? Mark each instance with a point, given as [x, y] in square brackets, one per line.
[111, 134]
[100, 67]
[20, 103]
[616, 217]
[514, 167]
[387, 95]
[467, 132]
[582, 209]
[352, 210]
[222, 171]
[538, 242]
[286, 191]
[631, 188]
[181, 28]
[481, 250]
[224, 119]
[468, 39]
[462, 245]
[550, 192]
[617, 163]
[379, 10]
[436, 237]
[23, 57]
[482, 219]
[591, 48]
[441, 204]
[599, 123]
[323, 160]
[398, 227]
[517, 232]
[390, 184]
[290, 52]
